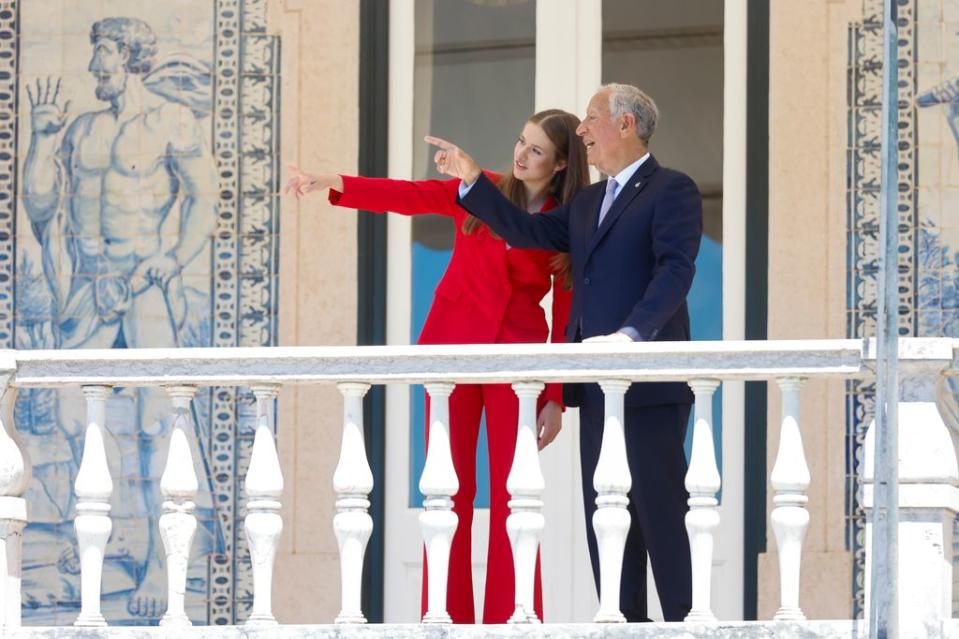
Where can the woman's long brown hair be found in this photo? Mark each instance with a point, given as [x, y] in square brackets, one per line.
[560, 128]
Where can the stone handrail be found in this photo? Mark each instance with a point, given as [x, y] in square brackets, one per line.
[487, 363]
[704, 365]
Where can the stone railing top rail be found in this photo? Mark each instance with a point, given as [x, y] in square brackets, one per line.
[658, 361]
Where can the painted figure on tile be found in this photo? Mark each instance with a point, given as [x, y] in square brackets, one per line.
[946, 94]
[121, 200]
[98, 198]
[938, 262]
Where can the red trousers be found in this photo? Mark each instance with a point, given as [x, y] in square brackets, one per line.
[502, 414]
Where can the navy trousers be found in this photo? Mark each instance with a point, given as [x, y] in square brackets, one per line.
[657, 502]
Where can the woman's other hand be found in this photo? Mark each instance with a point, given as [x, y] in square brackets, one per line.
[301, 183]
[549, 423]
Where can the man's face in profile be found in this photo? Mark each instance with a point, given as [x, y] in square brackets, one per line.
[600, 133]
[108, 66]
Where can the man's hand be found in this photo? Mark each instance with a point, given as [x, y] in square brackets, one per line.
[46, 115]
[157, 269]
[454, 161]
[548, 424]
[301, 183]
[612, 338]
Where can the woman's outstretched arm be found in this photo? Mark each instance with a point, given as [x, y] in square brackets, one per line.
[408, 197]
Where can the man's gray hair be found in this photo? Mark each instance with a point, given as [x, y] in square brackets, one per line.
[625, 98]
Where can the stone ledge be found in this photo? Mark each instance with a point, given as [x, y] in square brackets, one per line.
[739, 629]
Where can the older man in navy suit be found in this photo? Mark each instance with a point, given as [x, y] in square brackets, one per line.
[633, 240]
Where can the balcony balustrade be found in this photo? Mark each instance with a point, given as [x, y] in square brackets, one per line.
[928, 474]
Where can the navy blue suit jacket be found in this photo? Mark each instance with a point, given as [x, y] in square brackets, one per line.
[633, 271]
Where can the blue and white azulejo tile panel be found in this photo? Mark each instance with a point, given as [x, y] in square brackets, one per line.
[138, 150]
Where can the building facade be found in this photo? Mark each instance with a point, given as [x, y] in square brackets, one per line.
[772, 107]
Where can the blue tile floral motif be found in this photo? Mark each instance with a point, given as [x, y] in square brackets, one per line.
[138, 146]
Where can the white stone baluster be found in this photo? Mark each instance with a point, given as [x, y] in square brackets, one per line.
[352, 481]
[525, 485]
[702, 482]
[93, 525]
[14, 475]
[179, 486]
[611, 520]
[928, 503]
[263, 523]
[790, 480]
[438, 485]
[13, 518]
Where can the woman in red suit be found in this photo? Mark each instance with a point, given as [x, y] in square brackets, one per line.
[490, 294]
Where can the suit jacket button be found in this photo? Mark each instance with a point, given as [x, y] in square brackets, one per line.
[586, 281]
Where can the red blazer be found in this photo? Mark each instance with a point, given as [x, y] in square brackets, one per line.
[489, 294]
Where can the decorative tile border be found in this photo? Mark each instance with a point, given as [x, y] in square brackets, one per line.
[9, 63]
[864, 127]
[257, 243]
[225, 269]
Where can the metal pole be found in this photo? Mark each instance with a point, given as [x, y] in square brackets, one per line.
[884, 600]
